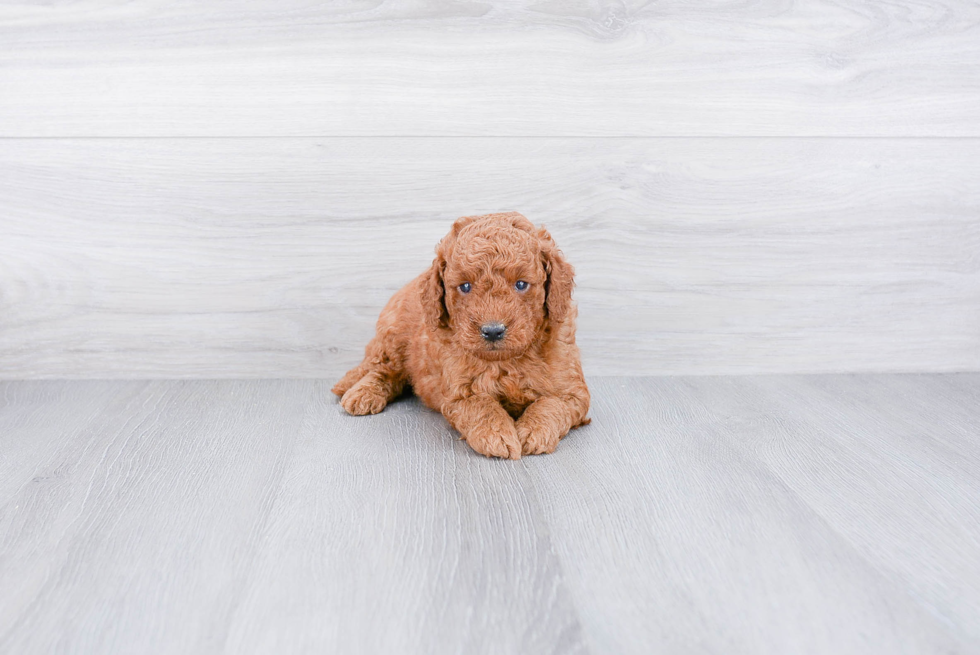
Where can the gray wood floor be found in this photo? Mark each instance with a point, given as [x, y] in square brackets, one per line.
[792, 514]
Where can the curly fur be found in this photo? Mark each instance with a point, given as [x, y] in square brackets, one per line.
[517, 396]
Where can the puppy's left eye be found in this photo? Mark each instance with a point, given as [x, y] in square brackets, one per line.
[521, 285]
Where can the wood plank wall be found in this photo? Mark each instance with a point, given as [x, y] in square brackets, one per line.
[234, 189]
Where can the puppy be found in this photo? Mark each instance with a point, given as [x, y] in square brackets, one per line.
[486, 336]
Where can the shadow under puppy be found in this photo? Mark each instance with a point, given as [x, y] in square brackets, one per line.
[486, 336]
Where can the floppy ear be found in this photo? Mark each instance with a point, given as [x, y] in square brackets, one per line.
[561, 279]
[434, 293]
[458, 226]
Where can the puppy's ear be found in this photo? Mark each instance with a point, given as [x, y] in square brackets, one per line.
[520, 222]
[561, 279]
[458, 226]
[434, 292]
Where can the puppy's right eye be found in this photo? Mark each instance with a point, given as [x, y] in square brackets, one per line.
[464, 287]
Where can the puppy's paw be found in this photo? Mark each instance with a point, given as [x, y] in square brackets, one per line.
[365, 397]
[538, 437]
[500, 442]
[349, 380]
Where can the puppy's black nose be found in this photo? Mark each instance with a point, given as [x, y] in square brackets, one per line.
[493, 331]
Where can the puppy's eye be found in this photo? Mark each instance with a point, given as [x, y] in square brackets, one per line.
[521, 285]
[464, 287]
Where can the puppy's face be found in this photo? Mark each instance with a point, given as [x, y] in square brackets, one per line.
[495, 290]
[497, 283]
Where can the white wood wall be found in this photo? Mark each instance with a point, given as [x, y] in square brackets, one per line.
[234, 189]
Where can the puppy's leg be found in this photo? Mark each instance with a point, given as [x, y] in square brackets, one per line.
[485, 425]
[372, 392]
[367, 388]
[351, 378]
[547, 420]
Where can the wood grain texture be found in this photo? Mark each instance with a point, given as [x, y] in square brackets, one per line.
[911, 458]
[273, 257]
[258, 517]
[769, 515]
[468, 67]
[821, 514]
[392, 537]
[159, 499]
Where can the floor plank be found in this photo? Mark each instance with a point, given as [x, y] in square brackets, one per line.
[674, 538]
[465, 68]
[761, 514]
[390, 536]
[136, 535]
[257, 517]
[897, 479]
[232, 258]
[38, 420]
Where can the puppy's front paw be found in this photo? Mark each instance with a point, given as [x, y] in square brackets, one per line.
[365, 397]
[500, 442]
[538, 437]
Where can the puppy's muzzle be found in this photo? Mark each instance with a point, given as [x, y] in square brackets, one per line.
[493, 332]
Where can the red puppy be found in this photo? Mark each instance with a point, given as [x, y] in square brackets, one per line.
[486, 337]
